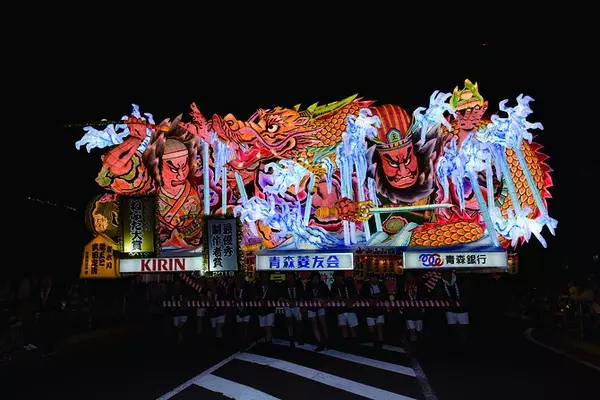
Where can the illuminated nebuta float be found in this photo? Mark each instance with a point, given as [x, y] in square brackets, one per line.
[445, 186]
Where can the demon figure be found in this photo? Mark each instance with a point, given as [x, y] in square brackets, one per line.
[470, 108]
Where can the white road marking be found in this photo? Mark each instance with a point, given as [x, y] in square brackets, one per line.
[321, 377]
[190, 382]
[399, 369]
[231, 389]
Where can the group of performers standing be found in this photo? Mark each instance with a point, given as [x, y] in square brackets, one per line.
[292, 290]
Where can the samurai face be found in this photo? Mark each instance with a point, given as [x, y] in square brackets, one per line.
[400, 166]
[174, 173]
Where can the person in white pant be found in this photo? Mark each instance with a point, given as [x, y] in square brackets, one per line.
[317, 290]
[374, 291]
[241, 291]
[264, 291]
[412, 315]
[292, 292]
[457, 317]
[200, 311]
[215, 293]
[178, 310]
[345, 290]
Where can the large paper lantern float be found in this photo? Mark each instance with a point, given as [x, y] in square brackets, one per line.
[345, 174]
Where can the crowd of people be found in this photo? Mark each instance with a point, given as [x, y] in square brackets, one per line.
[28, 315]
[580, 303]
[570, 305]
[36, 310]
[294, 290]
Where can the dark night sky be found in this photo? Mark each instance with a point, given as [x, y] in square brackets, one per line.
[76, 85]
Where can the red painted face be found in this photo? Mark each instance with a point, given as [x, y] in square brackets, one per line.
[400, 166]
[174, 173]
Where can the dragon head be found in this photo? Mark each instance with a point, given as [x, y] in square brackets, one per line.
[280, 129]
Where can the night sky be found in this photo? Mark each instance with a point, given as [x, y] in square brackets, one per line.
[102, 79]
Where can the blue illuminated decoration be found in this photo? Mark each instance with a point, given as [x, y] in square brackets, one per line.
[337, 175]
[113, 134]
[484, 149]
[434, 114]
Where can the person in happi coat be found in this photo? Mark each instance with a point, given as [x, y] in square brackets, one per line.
[455, 290]
[156, 294]
[317, 290]
[292, 291]
[374, 291]
[200, 311]
[241, 291]
[178, 295]
[412, 290]
[265, 291]
[344, 290]
[215, 293]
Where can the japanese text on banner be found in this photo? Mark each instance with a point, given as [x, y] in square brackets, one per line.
[314, 261]
[222, 245]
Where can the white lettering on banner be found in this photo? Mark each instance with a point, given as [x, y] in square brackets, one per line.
[433, 259]
[222, 245]
[181, 264]
[316, 261]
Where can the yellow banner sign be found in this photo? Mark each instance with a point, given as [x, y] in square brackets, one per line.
[138, 220]
[99, 260]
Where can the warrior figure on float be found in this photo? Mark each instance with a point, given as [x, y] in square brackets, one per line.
[470, 108]
[401, 159]
[165, 168]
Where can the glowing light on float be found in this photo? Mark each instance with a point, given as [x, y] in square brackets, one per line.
[338, 174]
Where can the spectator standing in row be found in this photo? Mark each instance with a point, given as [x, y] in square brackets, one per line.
[241, 291]
[457, 317]
[292, 292]
[265, 291]
[374, 291]
[345, 290]
[317, 290]
[413, 315]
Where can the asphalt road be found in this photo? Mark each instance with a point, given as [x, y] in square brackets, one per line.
[499, 363]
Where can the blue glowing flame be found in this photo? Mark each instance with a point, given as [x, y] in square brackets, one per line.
[506, 133]
[113, 134]
[223, 155]
[287, 221]
[484, 149]
[517, 226]
[354, 144]
[352, 158]
[255, 209]
[329, 168]
[434, 115]
[149, 118]
[98, 139]
[451, 167]
[285, 173]
[473, 157]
